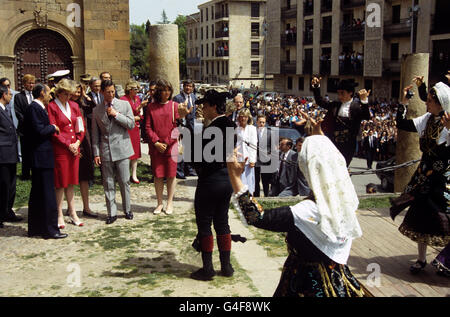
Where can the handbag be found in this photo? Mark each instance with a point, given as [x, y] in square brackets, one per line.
[180, 145]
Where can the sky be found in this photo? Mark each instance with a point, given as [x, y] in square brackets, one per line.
[143, 10]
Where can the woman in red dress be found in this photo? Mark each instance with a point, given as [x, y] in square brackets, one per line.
[161, 128]
[131, 90]
[66, 147]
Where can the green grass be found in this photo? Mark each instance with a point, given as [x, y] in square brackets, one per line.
[369, 203]
[23, 188]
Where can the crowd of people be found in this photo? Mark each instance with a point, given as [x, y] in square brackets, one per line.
[67, 128]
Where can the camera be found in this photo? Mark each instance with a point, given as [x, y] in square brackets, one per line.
[409, 94]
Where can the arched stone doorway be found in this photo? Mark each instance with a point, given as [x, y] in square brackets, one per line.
[41, 52]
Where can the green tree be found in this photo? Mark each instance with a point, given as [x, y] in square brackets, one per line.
[182, 38]
[139, 55]
[165, 19]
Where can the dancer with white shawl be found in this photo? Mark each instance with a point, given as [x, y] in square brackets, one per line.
[319, 229]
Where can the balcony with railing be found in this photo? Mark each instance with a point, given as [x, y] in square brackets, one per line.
[289, 12]
[401, 27]
[325, 36]
[307, 67]
[289, 67]
[222, 52]
[221, 15]
[350, 4]
[392, 67]
[221, 34]
[352, 33]
[289, 39]
[308, 7]
[351, 65]
[326, 6]
[308, 37]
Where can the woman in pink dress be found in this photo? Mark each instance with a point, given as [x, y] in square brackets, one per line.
[161, 128]
[66, 115]
[131, 90]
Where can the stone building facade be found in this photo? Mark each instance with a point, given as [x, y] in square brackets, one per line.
[230, 42]
[325, 32]
[42, 36]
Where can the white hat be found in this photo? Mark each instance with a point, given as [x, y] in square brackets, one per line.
[59, 73]
[443, 94]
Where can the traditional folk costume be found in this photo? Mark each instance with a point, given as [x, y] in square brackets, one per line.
[320, 229]
[212, 196]
[343, 120]
[428, 192]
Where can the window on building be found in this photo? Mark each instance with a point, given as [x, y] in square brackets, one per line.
[226, 68]
[207, 67]
[368, 84]
[190, 34]
[396, 14]
[255, 10]
[395, 89]
[212, 13]
[212, 31]
[201, 34]
[289, 83]
[301, 83]
[332, 84]
[255, 29]
[255, 48]
[255, 67]
[202, 50]
[201, 16]
[212, 49]
[223, 68]
[207, 32]
[206, 14]
[207, 49]
[196, 33]
[394, 51]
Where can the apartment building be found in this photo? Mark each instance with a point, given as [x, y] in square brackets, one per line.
[226, 43]
[332, 38]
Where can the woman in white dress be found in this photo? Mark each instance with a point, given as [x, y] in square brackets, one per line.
[247, 142]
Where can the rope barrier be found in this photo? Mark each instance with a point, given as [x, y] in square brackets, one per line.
[384, 169]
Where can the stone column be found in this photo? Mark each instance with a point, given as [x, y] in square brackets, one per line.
[408, 142]
[7, 69]
[164, 57]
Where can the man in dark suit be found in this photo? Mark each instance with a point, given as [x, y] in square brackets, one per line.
[286, 182]
[9, 157]
[264, 157]
[239, 104]
[371, 147]
[187, 97]
[42, 209]
[343, 120]
[21, 103]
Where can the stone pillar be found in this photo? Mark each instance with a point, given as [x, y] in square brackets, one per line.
[164, 56]
[408, 142]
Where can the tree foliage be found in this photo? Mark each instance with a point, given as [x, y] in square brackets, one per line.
[139, 47]
[182, 37]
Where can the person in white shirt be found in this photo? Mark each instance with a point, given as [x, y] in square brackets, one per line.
[343, 120]
[247, 141]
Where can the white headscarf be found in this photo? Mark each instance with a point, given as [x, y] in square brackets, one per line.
[443, 94]
[326, 172]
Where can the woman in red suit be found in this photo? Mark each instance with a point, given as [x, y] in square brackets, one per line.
[161, 128]
[66, 147]
[131, 90]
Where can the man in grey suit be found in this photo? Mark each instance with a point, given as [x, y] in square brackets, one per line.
[112, 148]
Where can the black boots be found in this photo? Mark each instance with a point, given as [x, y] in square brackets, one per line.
[206, 273]
[226, 268]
